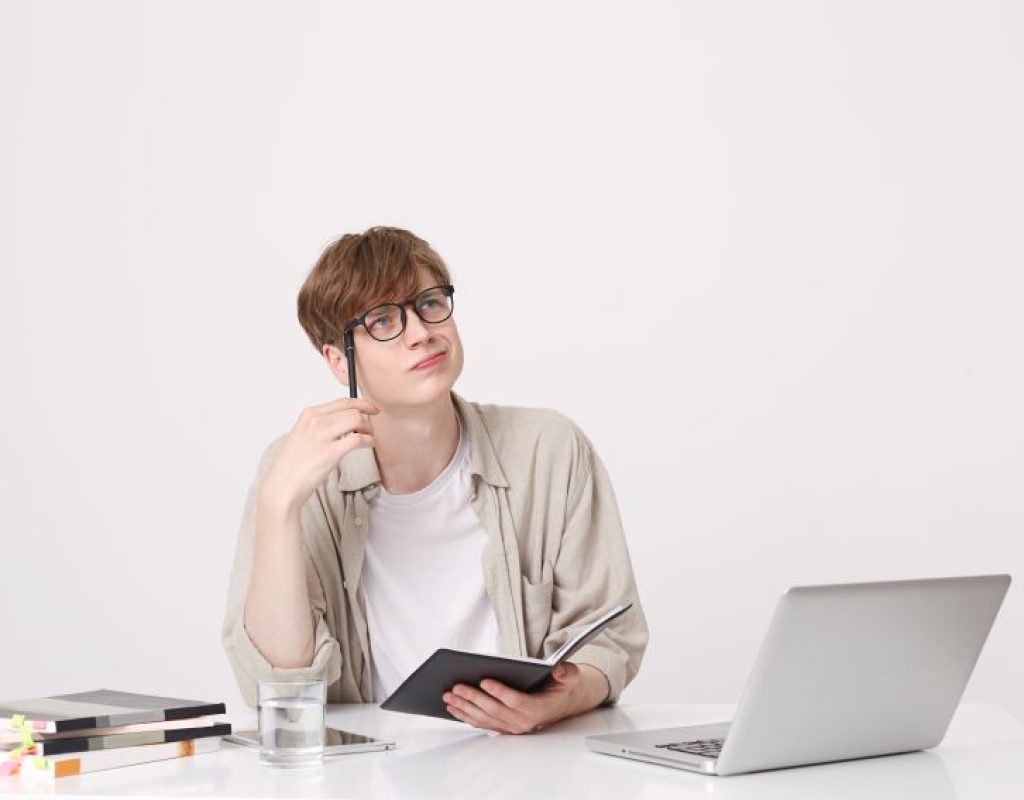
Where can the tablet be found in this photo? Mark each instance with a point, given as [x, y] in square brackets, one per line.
[336, 742]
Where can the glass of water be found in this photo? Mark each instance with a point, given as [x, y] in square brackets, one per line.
[291, 723]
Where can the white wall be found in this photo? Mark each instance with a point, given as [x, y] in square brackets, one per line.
[768, 255]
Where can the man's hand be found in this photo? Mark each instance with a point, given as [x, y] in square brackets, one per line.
[572, 690]
[321, 437]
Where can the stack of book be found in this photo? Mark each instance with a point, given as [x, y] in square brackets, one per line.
[74, 733]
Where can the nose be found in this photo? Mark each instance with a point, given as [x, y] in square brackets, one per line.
[416, 331]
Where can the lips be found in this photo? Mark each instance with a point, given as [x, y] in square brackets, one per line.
[431, 361]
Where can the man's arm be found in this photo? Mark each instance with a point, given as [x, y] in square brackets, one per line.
[592, 574]
[274, 617]
[277, 606]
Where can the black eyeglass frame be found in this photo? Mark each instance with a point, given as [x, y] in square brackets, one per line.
[349, 335]
[449, 292]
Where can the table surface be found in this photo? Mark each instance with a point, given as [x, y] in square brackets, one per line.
[982, 756]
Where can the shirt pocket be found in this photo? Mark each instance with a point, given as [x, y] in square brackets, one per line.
[537, 609]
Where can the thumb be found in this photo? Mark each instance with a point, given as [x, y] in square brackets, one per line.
[565, 672]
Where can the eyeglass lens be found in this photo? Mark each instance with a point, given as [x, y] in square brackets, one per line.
[388, 321]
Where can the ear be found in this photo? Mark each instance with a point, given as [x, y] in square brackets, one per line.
[336, 362]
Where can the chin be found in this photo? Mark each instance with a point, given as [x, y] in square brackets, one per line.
[425, 394]
[431, 392]
[420, 390]
[437, 385]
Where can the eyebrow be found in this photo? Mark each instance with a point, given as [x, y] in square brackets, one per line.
[404, 302]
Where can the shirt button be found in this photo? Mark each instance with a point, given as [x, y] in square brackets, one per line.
[358, 520]
[344, 584]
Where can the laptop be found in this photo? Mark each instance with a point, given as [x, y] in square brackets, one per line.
[845, 671]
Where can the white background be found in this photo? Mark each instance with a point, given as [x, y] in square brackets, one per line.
[768, 255]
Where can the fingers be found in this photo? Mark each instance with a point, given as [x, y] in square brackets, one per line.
[565, 672]
[495, 706]
[349, 430]
[342, 404]
[359, 403]
[349, 422]
[474, 717]
[465, 711]
[327, 426]
[482, 710]
[505, 694]
[486, 703]
[352, 441]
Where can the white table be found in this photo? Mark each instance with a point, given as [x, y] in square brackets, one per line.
[981, 757]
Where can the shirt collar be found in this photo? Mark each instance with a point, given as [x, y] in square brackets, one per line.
[358, 470]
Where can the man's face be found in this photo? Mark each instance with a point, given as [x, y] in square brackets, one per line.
[393, 374]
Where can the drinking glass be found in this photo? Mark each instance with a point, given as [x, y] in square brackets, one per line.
[291, 723]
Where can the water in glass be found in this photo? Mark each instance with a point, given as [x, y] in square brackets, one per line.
[291, 731]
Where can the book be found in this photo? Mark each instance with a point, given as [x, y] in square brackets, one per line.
[78, 763]
[421, 692]
[102, 708]
[81, 744]
[10, 739]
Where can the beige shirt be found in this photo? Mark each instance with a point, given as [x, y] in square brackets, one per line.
[555, 559]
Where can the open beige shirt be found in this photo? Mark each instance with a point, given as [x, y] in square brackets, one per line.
[555, 559]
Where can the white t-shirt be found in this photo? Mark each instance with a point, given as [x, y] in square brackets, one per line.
[422, 576]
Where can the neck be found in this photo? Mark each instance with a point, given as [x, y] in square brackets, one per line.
[413, 446]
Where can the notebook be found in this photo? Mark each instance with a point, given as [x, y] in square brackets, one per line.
[12, 738]
[77, 763]
[113, 741]
[421, 692]
[102, 708]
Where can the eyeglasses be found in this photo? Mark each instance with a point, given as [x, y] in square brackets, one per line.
[387, 321]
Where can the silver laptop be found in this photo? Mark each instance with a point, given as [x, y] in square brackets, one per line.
[845, 671]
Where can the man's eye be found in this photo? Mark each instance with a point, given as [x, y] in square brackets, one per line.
[381, 322]
[430, 302]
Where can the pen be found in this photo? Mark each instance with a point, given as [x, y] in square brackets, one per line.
[350, 357]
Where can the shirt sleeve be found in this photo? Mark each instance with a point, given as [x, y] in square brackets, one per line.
[593, 573]
[247, 662]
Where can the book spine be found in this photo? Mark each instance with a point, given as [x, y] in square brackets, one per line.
[56, 747]
[132, 717]
[121, 757]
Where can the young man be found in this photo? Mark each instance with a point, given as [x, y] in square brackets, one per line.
[382, 528]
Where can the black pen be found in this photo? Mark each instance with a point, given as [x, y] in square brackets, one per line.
[350, 357]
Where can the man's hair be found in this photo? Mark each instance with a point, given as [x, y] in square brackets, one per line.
[358, 272]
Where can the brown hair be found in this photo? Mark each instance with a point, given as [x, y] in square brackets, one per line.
[359, 271]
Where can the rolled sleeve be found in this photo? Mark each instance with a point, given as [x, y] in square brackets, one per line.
[593, 573]
[251, 666]
[611, 663]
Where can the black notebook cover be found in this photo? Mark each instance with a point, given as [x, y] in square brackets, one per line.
[421, 692]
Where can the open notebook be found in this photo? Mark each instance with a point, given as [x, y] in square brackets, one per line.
[421, 692]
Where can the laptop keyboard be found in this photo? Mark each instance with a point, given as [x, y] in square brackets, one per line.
[709, 748]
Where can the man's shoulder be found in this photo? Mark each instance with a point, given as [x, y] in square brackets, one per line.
[522, 426]
[269, 452]
[496, 416]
